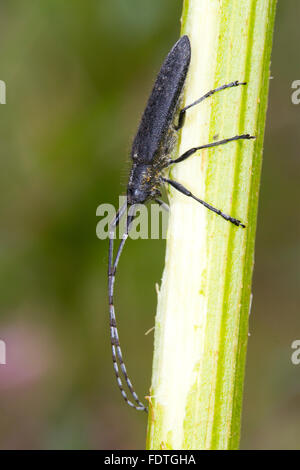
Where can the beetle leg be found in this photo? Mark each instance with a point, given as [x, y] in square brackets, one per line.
[181, 118]
[186, 192]
[190, 152]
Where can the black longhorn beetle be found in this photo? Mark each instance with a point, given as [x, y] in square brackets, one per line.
[151, 148]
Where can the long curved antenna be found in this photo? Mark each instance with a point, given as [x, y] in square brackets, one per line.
[115, 343]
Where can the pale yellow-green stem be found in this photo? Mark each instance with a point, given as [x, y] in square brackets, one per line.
[201, 328]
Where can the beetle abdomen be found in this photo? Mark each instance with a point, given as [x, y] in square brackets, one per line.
[162, 102]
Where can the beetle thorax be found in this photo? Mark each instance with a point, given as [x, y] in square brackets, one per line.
[143, 183]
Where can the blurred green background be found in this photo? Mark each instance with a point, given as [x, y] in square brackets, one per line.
[78, 75]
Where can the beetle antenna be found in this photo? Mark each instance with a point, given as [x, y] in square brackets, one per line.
[114, 336]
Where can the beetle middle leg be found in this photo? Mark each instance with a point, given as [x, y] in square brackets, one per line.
[193, 150]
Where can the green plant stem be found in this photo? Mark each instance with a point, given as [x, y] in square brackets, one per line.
[201, 328]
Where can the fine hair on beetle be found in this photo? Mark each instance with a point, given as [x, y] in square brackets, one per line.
[150, 155]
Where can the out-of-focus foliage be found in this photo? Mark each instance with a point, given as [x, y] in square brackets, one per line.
[78, 75]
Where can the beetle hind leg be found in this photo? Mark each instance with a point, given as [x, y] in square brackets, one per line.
[182, 112]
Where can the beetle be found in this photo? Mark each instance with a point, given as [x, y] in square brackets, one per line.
[150, 155]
